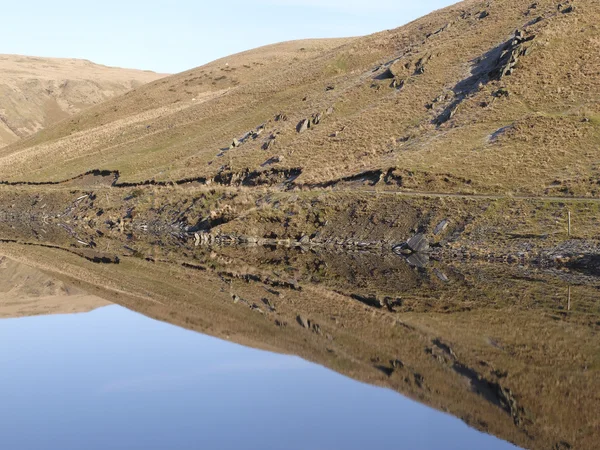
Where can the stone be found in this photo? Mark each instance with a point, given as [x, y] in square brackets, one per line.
[441, 275]
[419, 260]
[235, 143]
[329, 111]
[398, 83]
[269, 304]
[402, 250]
[397, 364]
[316, 118]
[304, 240]
[418, 243]
[441, 227]
[303, 321]
[303, 125]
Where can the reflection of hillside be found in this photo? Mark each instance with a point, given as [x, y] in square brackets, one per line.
[26, 291]
[493, 345]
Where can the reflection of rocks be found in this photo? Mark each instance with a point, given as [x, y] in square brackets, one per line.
[370, 316]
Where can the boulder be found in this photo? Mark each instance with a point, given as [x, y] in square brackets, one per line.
[418, 243]
[304, 240]
[441, 275]
[398, 83]
[269, 143]
[441, 227]
[402, 249]
[303, 321]
[419, 260]
[303, 125]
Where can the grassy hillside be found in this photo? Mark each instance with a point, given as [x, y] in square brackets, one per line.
[39, 92]
[457, 94]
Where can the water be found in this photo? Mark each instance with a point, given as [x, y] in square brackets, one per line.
[115, 379]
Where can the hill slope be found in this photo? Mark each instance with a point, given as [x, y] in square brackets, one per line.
[25, 291]
[38, 92]
[458, 95]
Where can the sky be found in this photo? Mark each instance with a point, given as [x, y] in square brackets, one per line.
[114, 379]
[177, 35]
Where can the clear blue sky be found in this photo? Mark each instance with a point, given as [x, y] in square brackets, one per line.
[113, 379]
[172, 36]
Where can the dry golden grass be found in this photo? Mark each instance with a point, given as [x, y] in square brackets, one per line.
[38, 92]
[175, 128]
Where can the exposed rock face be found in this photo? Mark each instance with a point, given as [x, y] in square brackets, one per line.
[509, 58]
[418, 243]
[441, 227]
[303, 126]
[303, 322]
[316, 119]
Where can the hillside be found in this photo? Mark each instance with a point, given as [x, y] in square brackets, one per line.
[26, 291]
[457, 100]
[39, 92]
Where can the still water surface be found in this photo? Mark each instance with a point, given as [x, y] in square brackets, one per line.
[114, 379]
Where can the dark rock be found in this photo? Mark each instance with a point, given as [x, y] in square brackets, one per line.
[441, 275]
[398, 83]
[371, 300]
[269, 143]
[303, 125]
[418, 243]
[501, 93]
[484, 14]
[420, 66]
[269, 304]
[441, 227]
[397, 364]
[303, 322]
[419, 260]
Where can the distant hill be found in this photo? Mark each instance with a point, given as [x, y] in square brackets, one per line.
[25, 291]
[496, 96]
[38, 92]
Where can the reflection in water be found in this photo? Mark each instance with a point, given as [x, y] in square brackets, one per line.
[510, 350]
[115, 379]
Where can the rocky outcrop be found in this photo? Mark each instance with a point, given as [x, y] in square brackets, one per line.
[509, 57]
